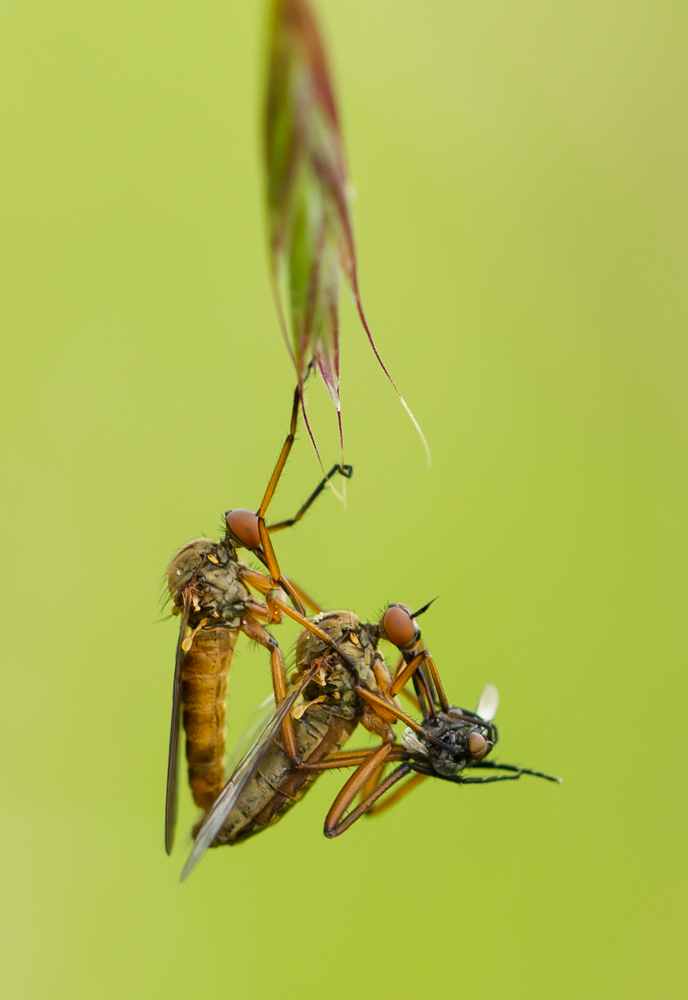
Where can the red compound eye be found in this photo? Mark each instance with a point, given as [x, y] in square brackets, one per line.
[243, 524]
[477, 744]
[399, 626]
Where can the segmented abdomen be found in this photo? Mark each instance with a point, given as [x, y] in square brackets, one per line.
[277, 785]
[204, 697]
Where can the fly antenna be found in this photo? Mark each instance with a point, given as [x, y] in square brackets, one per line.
[417, 614]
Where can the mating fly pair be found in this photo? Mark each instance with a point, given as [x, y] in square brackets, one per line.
[341, 681]
[211, 588]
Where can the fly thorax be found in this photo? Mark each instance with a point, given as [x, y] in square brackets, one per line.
[227, 589]
[185, 563]
[332, 687]
[445, 762]
[365, 656]
[337, 625]
[209, 571]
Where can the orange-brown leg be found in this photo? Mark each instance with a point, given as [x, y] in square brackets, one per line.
[373, 781]
[277, 606]
[444, 704]
[267, 555]
[262, 612]
[273, 566]
[352, 758]
[265, 585]
[407, 668]
[271, 560]
[282, 460]
[399, 665]
[254, 578]
[371, 792]
[365, 781]
[339, 469]
[404, 693]
[404, 670]
[375, 810]
[404, 675]
[270, 557]
[381, 704]
[255, 631]
[337, 821]
[304, 597]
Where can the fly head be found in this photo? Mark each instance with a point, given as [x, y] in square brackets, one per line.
[452, 740]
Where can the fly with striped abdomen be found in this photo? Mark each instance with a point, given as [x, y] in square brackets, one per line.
[330, 695]
[211, 589]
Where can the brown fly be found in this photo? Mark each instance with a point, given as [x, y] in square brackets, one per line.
[329, 696]
[211, 589]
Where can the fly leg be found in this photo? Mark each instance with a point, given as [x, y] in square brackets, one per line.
[391, 800]
[493, 765]
[410, 669]
[268, 550]
[373, 789]
[279, 608]
[304, 598]
[346, 471]
[268, 553]
[459, 779]
[272, 612]
[337, 820]
[412, 665]
[342, 470]
[263, 531]
[352, 758]
[300, 598]
[250, 529]
[264, 585]
[366, 781]
[255, 631]
[383, 706]
[404, 693]
[282, 460]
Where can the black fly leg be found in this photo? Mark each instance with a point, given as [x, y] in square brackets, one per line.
[346, 471]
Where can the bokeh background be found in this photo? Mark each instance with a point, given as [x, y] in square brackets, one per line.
[521, 222]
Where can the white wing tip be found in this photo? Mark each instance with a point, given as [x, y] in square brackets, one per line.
[488, 703]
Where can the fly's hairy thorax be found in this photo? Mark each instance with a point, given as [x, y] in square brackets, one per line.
[210, 573]
[355, 639]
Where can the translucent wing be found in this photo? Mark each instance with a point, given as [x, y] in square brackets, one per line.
[175, 724]
[230, 794]
[489, 701]
[254, 727]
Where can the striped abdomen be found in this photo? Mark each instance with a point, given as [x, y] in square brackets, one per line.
[277, 785]
[204, 698]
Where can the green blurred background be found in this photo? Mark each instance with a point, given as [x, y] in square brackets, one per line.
[521, 223]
